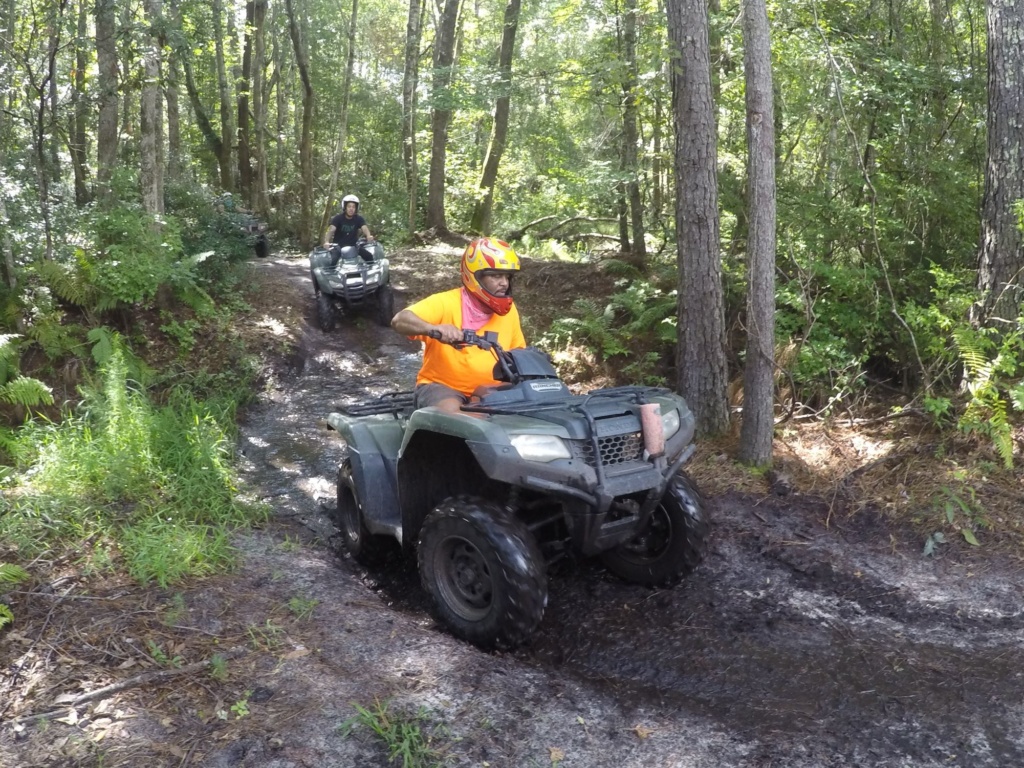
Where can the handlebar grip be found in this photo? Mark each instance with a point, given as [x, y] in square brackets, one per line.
[434, 334]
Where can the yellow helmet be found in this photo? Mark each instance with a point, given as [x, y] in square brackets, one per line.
[484, 255]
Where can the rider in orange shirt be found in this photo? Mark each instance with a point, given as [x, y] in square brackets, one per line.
[484, 303]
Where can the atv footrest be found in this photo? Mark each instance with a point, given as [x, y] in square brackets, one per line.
[392, 402]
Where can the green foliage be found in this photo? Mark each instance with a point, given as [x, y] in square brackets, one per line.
[989, 362]
[409, 738]
[963, 514]
[156, 480]
[10, 575]
[302, 607]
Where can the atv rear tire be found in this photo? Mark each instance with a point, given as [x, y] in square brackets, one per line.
[262, 246]
[326, 314]
[483, 571]
[673, 544]
[365, 547]
[385, 305]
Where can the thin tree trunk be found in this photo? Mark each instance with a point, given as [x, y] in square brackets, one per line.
[78, 143]
[106, 131]
[481, 219]
[150, 148]
[244, 84]
[259, 108]
[701, 368]
[413, 33]
[440, 112]
[224, 99]
[759, 368]
[346, 91]
[283, 90]
[630, 137]
[172, 99]
[306, 142]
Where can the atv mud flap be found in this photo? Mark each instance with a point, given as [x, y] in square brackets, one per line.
[374, 475]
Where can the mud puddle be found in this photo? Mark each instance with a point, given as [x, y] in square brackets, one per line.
[802, 643]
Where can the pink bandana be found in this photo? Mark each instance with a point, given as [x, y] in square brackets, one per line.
[474, 314]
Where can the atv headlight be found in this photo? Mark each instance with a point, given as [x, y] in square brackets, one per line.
[670, 422]
[540, 447]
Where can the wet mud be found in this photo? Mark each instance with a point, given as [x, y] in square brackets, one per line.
[805, 642]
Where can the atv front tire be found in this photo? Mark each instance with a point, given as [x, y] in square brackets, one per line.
[483, 571]
[673, 544]
[365, 547]
[326, 314]
[385, 305]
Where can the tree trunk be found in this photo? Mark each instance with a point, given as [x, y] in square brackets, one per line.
[306, 142]
[1001, 249]
[224, 94]
[172, 99]
[244, 84]
[150, 145]
[283, 91]
[259, 109]
[481, 219]
[339, 149]
[78, 141]
[413, 33]
[630, 137]
[758, 372]
[701, 367]
[441, 112]
[106, 130]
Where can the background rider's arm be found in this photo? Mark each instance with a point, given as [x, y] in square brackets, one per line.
[410, 324]
[329, 237]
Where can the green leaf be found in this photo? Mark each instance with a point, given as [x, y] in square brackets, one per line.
[969, 535]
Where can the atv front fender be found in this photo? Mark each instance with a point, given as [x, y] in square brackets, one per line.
[373, 450]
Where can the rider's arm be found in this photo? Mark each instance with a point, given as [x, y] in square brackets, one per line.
[329, 237]
[366, 232]
[408, 323]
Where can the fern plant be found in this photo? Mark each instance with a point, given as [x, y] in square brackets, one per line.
[10, 575]
[988, 365]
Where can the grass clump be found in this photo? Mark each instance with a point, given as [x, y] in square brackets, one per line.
[153, 483]
[408, 738]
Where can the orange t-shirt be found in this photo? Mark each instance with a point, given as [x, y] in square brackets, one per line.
[470, 367]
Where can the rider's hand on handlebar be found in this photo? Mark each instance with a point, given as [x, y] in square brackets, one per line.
[447, 333]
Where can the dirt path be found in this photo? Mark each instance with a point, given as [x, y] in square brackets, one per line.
[796, 645]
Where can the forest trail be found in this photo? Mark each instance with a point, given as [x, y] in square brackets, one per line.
[802, 641]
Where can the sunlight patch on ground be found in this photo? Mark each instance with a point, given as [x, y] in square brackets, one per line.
[273, 325]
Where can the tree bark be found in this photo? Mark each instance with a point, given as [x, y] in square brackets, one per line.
[441, 112]
[410, 79]
[630, 137]
[106, 59]
[224, 94]
[259, 110]
[306, 142]
[244, 84]
[701, 369]
[481, 218]
[1001, 248]
[758, 372]
[78, 141]
[150, 128]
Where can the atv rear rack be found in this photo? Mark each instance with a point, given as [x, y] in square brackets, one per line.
[396, 403]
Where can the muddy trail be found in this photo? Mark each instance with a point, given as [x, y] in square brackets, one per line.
[802, 641]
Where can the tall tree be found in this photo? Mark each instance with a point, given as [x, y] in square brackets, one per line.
[106, 60]
[151, 114]
[261, 199]
[78, 138]
[224, 99]
[758, 371]
[701, 369]
[410, 80]
[1001, 249]
[244, 85]
[306, 140]
[630, 135]
[481, 218]
[441, 110]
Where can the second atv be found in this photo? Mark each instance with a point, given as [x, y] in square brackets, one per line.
[350, 278]
[524, 474]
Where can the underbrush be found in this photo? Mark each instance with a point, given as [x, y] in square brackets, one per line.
[123, 482]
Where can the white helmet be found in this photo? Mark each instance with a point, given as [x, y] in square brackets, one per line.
[350, 199]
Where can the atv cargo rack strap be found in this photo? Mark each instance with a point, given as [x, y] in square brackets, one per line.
[392, 402]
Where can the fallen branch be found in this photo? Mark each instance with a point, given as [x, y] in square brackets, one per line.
[146, 678]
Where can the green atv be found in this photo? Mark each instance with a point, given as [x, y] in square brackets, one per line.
[525, 474]
[349, 278]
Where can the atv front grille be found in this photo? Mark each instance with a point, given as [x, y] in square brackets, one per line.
[613, 449]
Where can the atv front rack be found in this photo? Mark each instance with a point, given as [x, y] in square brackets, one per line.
[395, 403]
